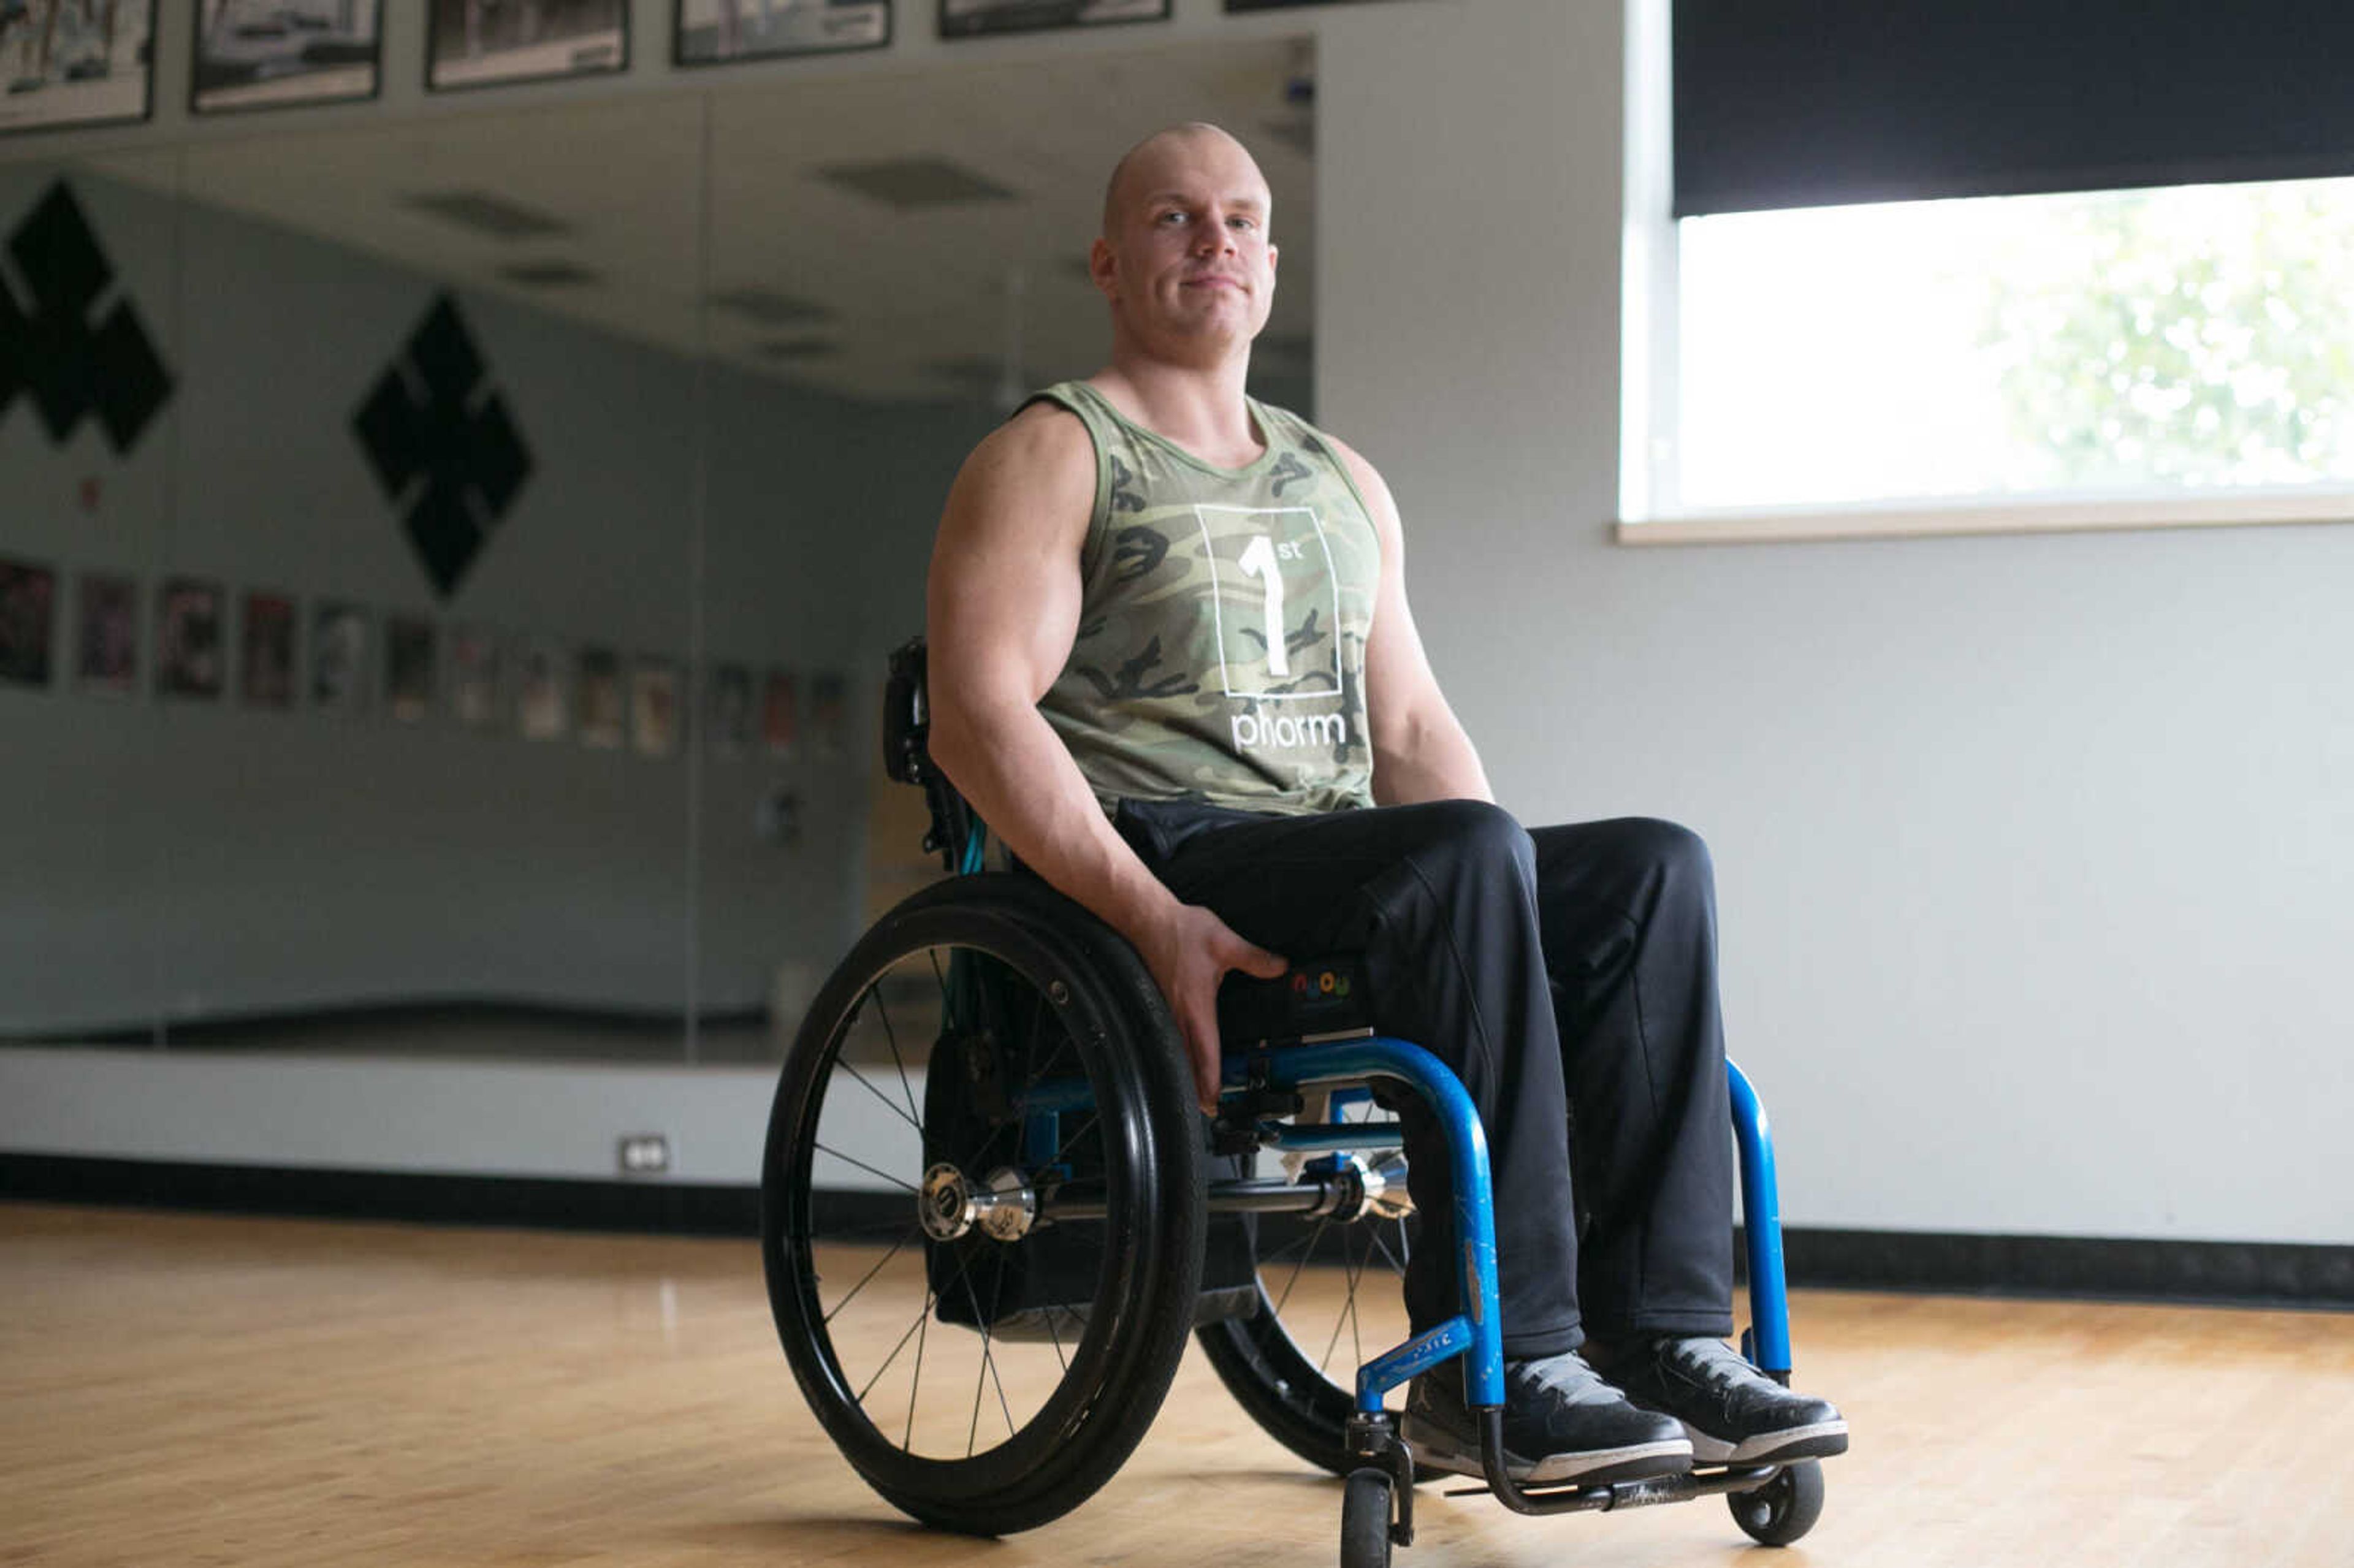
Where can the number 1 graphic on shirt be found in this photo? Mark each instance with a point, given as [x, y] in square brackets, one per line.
[1258, 561]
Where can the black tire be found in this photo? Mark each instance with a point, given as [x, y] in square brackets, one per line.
[1069, 997]
[1784, 1509]
[1291, 1366]
[1366, 1520]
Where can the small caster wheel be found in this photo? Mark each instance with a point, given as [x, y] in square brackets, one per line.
[1365, 1520]
[1784, 1509]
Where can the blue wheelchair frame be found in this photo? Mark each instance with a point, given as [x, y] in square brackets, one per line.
[1476, 1334]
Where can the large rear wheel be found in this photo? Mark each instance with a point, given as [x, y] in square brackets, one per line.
[984, 1301]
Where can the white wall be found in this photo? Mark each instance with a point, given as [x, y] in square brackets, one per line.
[2033, 851]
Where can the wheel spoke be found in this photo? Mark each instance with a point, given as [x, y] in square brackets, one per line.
[1312, 1238]
[846, 1160]
[1349, 1306]
[915, 1383]
[899, 1062]
[888, 1104]
[911, 1232]
[920, 1319]
[1397, 1264]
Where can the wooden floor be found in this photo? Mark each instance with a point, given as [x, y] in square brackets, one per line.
[178, 1390]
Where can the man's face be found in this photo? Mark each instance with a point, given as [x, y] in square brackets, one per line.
[1185, 260]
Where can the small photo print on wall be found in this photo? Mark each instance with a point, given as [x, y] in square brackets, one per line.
[780, 717]
[107, 641]
[191, 649]
[408, 668]
[711, 32]
[74, 62]
[267, 647]
[969, 18]
[272, 54]
[483, 43]
[474, 677]
[653, 708]
[829, 715]
[343, 662]
[542, 692]
[28, 600]
[730, 721]
[599, 692]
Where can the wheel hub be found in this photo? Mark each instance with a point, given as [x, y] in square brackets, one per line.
[950, 1204]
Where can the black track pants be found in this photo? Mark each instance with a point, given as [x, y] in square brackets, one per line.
[1569, 975]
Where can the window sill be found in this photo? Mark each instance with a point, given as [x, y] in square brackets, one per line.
[2010, 514]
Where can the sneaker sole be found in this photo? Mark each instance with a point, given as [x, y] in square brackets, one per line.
[1819, 1441]
[1434, 1448]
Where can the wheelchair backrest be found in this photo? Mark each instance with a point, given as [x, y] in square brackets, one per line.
[956, 832]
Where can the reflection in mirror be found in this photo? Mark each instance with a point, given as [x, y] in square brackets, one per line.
[90, 401]
[895, 262]
[449, 566]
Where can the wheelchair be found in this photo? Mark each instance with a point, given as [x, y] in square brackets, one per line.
[986, 1125]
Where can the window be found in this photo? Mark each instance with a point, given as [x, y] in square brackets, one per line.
[2169, 353]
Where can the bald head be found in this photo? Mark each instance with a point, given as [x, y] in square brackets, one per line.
[1137, 174]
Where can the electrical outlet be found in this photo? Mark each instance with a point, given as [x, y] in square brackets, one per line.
[644, 1154]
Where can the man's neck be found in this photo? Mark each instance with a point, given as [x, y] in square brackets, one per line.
[1202, 409]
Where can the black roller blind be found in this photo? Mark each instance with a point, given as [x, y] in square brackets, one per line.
[1784, 103]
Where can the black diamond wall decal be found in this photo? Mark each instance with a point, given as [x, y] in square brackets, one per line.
[50, 349]
[453, 460]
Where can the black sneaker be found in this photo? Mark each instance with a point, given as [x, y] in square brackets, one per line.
[1562, 1422]
[1733, 1414]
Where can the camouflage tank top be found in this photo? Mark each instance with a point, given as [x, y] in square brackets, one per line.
[1221, 647]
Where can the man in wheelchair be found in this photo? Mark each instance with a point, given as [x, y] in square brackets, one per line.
[1172, 665]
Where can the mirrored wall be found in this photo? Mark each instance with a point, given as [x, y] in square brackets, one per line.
[446, 568]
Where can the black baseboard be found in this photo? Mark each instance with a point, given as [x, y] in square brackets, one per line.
[671, 1208]
[2265, 1274]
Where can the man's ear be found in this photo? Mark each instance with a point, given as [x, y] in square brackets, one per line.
[1271, 255]
[1103, 268]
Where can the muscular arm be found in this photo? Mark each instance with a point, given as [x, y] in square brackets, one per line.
[1420, 752]
[1001, 611]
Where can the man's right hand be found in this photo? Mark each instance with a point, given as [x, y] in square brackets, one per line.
[1189, 951]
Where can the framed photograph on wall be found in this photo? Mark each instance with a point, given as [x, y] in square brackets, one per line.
[280, 54]
[493, 43]
[75, 62]
[718, 32]
[267, 647]
[106, 636]
[28, 614]
[342, 658]
[654, 707]
[410, 669]
[191, 651]
[599, 710]
[780, 719]
[730, 722]
[542, 691]
[975, 18]
[474, 677]
[829, 715]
